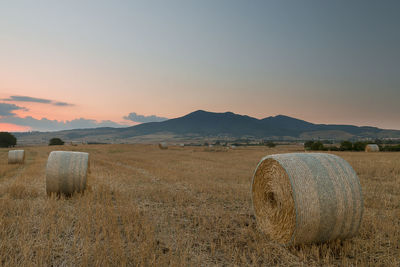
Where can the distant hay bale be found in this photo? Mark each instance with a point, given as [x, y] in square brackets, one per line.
[66, 172]
[301, 198]
[181, 145]
[372, 148]
[163, 145]
[73, 143]
[16, 157]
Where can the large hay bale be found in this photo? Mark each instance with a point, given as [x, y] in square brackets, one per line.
[16, 156]
[301, 198]
[66, 172]
[371, 148]
[163, 145]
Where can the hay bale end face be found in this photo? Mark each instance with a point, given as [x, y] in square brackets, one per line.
[372, 148]
[16, 157]
[66, 172]
[301, 198]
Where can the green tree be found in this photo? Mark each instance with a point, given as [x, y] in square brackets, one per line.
[311, 145]
[378, 141]
[308, 144]
[270, 144]
[346, 145]
[390, 148]
[317, 146]
[56, 142]
[359, 146]
[7, 139]
[334, 148]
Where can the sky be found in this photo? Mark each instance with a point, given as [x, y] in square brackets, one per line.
[84, 64]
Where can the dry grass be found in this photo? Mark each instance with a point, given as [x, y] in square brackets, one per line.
[183, 206]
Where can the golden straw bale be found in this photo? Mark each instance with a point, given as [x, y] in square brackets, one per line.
[371, 148]
[301, 198]
[16, 156]
[66, 172]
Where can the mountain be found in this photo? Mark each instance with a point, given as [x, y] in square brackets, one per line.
[230, 124]
[201, 124]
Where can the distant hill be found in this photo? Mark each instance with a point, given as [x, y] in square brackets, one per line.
[203, 124]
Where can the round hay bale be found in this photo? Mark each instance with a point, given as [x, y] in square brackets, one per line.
[163, 145]
[372, 148]
[16, 157]
[301, 198]
[66, 172]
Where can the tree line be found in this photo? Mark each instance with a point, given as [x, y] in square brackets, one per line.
[9, 140]
[348, 146]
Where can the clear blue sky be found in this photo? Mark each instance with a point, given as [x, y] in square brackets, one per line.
[321, 61]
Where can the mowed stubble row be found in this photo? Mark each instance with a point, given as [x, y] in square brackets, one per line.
[181, 206]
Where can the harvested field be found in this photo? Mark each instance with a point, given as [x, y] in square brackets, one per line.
[182, 206]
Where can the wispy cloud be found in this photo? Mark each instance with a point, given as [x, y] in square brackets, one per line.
[7, 115]
[142, 118]
[45, 124]
[61, 104]
[7, 109]
[16, 98]
[28, 99]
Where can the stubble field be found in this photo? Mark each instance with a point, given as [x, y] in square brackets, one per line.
[187, 206]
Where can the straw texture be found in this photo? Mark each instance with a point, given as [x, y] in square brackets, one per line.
[301, 198]
[16, 156]
[66, 172]
[371, 148]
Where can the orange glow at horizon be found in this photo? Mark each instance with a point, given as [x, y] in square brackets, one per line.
[8, 127]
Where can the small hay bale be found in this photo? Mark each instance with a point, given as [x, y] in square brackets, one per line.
[372, 148]
[163, 145]
[301, 198]
[66, 172]
[16, 157]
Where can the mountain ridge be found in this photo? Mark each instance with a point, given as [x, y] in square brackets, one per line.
[201, 123]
